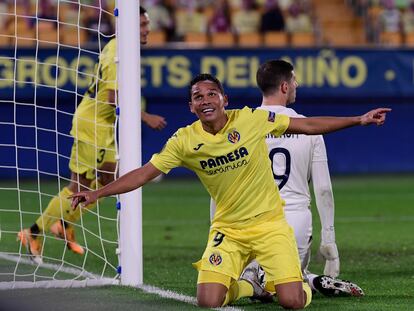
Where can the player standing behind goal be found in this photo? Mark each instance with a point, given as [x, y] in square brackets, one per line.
[227, 151]
[92, 161]
[295, 160]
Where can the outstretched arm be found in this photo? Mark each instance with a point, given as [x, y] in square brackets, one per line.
[322, 125]
[128, 182]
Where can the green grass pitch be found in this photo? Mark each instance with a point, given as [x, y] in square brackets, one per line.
[374, 231]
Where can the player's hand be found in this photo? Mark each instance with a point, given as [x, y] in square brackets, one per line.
[154, 121]
[329, 251]
[376, 116]
[83, 198]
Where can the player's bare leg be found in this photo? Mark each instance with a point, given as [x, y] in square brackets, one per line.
[107, 173]
[224, 290]
[292, 295]
[211, 295]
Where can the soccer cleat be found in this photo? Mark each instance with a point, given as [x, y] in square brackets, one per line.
[32, 244]
[57, 230]
[333, 287]
[254, 274]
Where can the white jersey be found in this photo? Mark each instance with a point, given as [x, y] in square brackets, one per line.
[292, 156]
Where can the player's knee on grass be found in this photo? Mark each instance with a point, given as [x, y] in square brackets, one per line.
[291, 302]
[212, 288]
[291, 295]
[211, 295]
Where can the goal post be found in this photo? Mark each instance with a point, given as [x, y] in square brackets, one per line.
[47, 63]
[130, 243]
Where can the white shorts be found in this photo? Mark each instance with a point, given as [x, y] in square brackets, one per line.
[301, 222]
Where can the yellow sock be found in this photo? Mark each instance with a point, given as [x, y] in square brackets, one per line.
[73, 215]
[308, 291]
[60, 208]
[270, 287]
[237, 290]
[57, 208]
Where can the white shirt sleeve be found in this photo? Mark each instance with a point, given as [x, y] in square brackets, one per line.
[323, 190]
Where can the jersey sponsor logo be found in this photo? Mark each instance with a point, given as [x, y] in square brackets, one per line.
[215, 259]
[224, 159]
[271, 117]
[233, 136]
[225, 163]
[198, 147]
[229, 167]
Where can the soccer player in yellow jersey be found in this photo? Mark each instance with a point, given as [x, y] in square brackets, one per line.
[92, 160]
[227, 150]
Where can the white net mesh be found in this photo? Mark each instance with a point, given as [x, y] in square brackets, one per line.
[48, 52]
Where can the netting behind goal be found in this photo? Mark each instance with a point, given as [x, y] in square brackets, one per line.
[48, 52]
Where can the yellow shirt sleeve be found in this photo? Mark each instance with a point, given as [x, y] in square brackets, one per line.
[270, 122]
[282, 122]
[170, 155]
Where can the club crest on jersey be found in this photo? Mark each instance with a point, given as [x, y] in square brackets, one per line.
[233, 137]
[215, 259]
[271, 117]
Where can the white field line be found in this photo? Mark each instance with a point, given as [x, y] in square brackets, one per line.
[179, 297]
[73, 271]
[93, 280]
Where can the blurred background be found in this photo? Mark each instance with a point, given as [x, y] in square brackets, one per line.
[274, 23]
[349, 56]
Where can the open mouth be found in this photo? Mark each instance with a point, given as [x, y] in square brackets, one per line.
[207, 110]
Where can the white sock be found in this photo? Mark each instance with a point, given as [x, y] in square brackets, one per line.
[309, 277]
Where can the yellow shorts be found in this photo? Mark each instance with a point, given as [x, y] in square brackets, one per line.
[86, 158]
[272, 243]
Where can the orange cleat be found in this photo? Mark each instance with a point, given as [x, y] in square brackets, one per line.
[67, 234]
[33, 245]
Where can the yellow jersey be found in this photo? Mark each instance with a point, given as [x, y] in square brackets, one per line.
[93, 121]
[233, 165]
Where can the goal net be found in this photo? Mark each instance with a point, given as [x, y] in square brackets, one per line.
[48, 56]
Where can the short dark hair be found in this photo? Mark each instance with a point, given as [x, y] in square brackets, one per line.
[205, 77]
[142, 10]
[272, 73]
